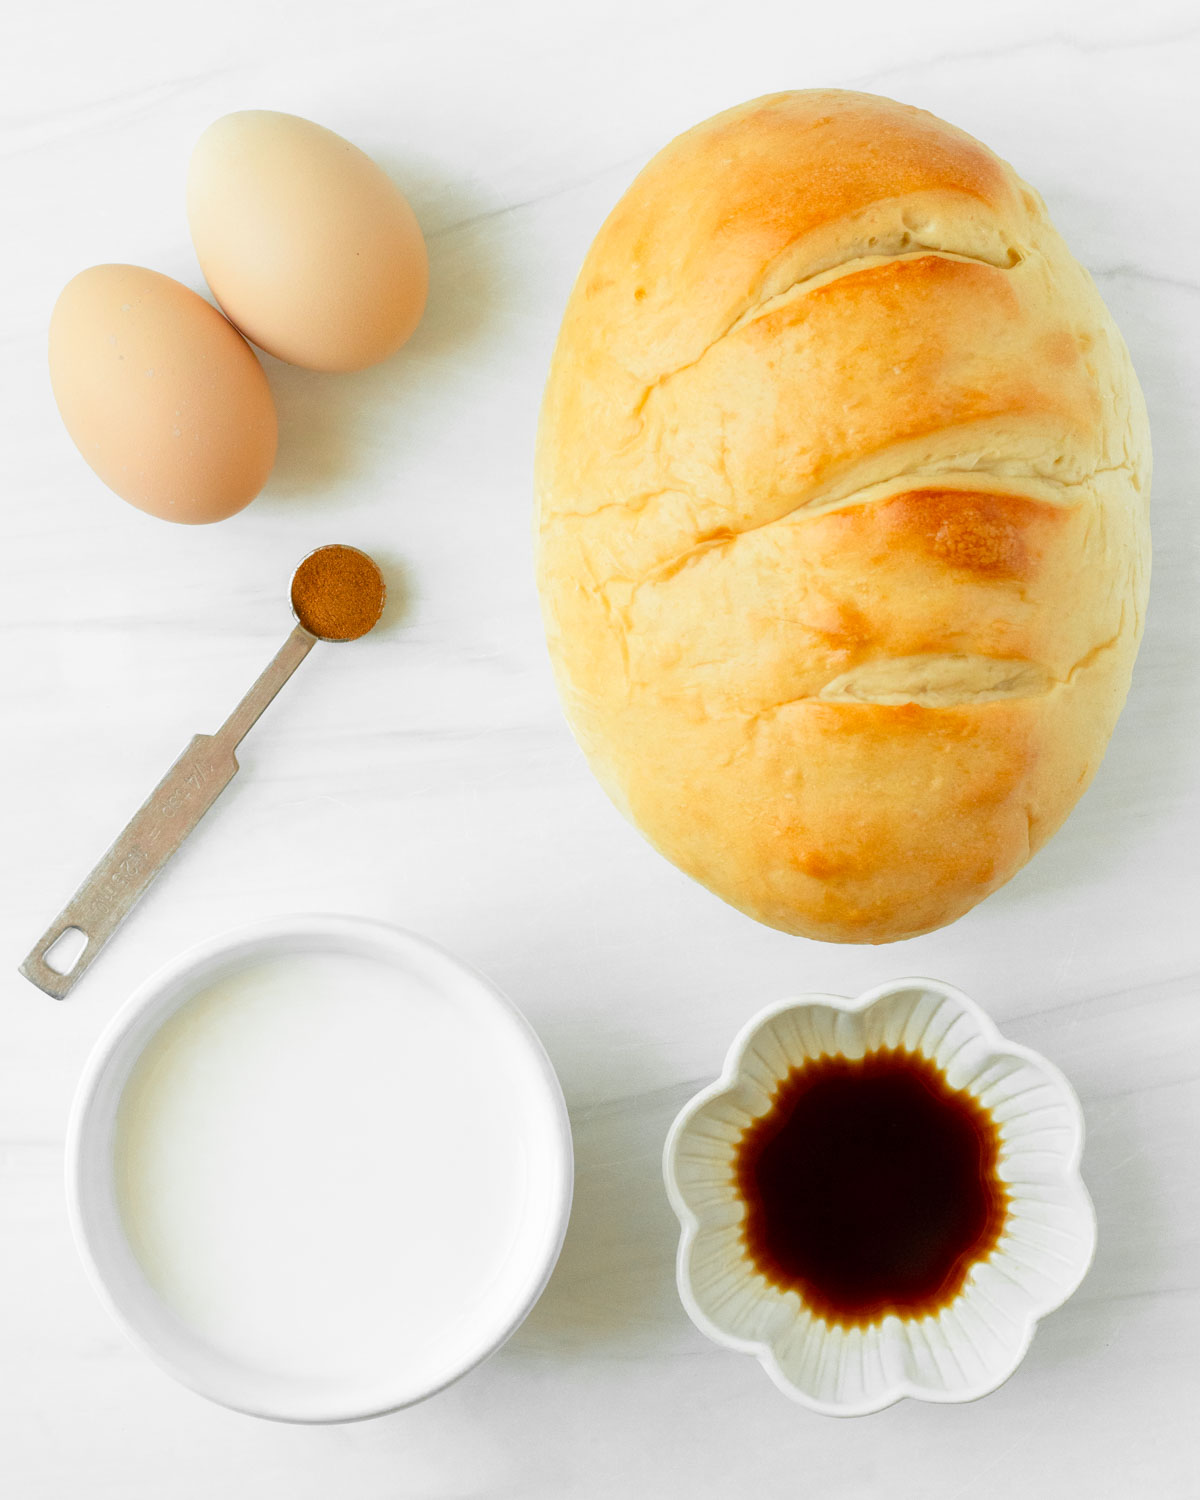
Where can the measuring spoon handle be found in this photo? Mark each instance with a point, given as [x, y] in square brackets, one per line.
[157, 829]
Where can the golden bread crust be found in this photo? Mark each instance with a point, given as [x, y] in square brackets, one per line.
[842, 487]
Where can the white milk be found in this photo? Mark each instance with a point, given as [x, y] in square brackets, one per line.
[321, 1167]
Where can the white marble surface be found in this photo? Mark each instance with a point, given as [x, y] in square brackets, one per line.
[425, 776]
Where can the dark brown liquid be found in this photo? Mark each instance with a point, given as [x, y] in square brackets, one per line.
[870, 1187]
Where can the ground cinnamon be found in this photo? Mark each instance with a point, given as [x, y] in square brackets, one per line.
[338, 593]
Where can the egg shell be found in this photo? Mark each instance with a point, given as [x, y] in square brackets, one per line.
[308, 246]
[161, 394]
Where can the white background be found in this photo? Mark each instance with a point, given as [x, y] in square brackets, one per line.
[425, 775]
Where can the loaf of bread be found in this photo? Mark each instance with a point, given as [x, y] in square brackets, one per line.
[842, 482]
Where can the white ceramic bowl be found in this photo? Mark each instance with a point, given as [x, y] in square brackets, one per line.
[978, 1340]
[492, 1312]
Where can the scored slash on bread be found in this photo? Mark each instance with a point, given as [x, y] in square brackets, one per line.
[842, 486]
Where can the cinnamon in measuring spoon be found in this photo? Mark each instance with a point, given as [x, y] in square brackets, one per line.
[338, 593]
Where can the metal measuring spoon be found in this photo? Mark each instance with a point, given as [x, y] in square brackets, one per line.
[196, 779]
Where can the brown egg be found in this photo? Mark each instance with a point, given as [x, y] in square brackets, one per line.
[161, 394]
[308, 246]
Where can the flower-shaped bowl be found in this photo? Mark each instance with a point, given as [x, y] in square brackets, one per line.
[974, 1342]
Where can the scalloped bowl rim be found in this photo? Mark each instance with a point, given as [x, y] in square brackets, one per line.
[690, 1223]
